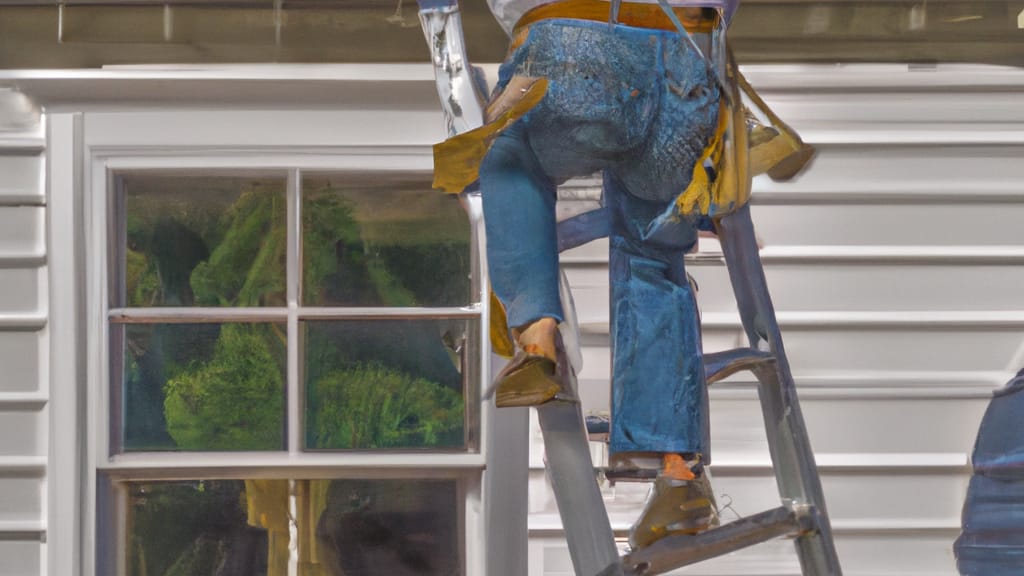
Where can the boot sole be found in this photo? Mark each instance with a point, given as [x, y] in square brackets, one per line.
[529, 384]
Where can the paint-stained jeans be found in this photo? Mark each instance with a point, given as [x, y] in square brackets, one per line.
[638, 105]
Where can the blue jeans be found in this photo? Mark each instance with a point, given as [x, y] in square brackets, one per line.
[639, 106]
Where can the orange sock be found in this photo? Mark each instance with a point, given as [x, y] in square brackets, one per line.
[538, 338]
[537, 350]
[675, 467]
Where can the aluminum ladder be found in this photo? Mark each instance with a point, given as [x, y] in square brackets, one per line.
[801, 515]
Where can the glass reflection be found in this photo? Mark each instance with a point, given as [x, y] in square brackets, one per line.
[385, 383]
[198, 528]
[367, 243]
[200, 387]
[202, 241]
[360, 527]
[388, 528]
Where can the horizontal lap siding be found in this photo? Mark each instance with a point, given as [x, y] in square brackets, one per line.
[19, 557]
[825, 285]
[22, 167]
[895, 263]
[23, 345]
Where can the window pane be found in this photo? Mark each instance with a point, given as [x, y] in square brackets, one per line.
[201, 241]
[194, 527]
[386, 383]
[389, 528]
[398, 243]
[343, 527]
[200, 386]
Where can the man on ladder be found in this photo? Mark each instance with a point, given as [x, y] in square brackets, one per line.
[645, 92]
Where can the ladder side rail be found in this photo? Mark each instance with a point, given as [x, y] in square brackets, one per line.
[795, 469]
[569, 466]
[458, 90]
[585, 522]
[462, 104]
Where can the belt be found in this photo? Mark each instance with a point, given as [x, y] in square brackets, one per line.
[640, 15]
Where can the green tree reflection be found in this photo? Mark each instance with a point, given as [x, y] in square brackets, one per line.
[221, 387]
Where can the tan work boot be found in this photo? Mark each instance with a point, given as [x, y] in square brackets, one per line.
[539, 372]
[681, 502]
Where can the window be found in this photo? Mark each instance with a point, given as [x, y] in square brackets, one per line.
[293, 369]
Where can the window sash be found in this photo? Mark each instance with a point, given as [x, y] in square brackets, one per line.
[109, 209]
[203, 465]
[109, 143]
[224, 315]
[116, 230]
[112, 511]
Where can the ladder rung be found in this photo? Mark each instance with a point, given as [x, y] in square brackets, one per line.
[717, 365]
[598, 427]
[676, 551]
[638, 475]
[720, 365]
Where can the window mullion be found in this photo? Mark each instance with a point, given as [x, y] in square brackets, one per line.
[396, 313]
[194, 315]
[293, 387]
[280, 465]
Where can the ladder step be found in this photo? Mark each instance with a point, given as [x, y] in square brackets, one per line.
[598, 427]
[677, 551]
[613, 475]
[717, 366]
[720, 365]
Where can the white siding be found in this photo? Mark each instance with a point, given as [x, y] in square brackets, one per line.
[23, 339]
[895, 263]
[19, 557]
[23, 174]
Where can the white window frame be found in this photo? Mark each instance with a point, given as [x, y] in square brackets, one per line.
[100, 164]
